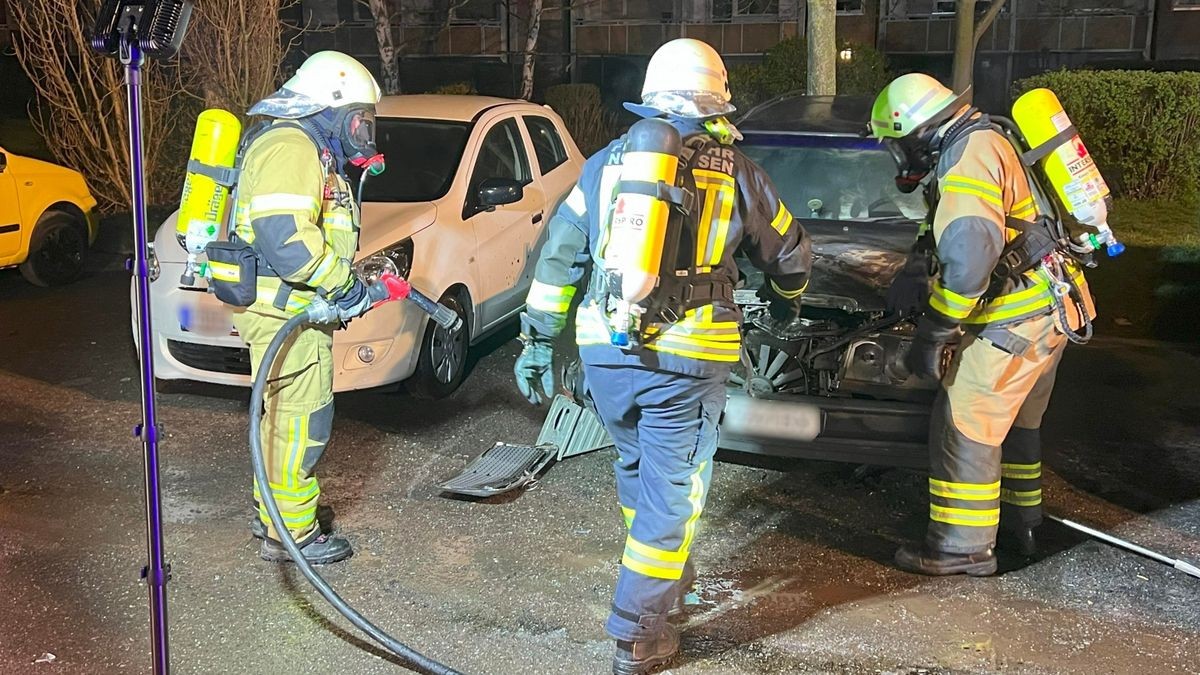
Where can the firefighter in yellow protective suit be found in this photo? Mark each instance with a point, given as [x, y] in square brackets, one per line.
[985, 452]
[295, 207]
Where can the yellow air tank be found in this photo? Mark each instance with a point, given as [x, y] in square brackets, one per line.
[637, 234]
[202, 208]
[1067, 166]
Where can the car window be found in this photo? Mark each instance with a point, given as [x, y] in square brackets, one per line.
[422, 157]
[502, 155]
[547, 144]
[852, 178]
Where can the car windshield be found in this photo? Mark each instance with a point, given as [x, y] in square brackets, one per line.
[851, 178]
[422, 157]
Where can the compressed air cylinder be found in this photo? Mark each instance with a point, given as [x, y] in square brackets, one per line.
[1069, 168]
[202, 207]
[634, 251]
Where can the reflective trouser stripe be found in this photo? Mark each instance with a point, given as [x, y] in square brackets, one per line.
[966, 491]
[1021, 497]
[968, 517]
[1021, 471]
[661, 563]
[298, 416]
[984, 393]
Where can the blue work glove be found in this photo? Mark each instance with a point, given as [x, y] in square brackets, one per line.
[536, 363]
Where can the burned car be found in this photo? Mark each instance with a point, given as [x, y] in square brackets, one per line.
[829, 385]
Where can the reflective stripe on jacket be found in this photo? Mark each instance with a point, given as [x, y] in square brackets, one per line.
[981, 184]
[737, 209]
[307, 239]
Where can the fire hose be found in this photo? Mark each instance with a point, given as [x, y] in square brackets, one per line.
[318, 313]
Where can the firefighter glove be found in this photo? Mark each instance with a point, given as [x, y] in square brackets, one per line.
[781, 309]
[358, 299]
[534, 365]
[925, 355]
[909, 292]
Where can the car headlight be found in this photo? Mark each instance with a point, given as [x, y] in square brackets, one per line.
[396, 260]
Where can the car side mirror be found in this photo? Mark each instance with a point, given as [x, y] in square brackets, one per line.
[495, 192]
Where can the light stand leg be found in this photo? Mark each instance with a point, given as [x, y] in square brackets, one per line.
[156, 572]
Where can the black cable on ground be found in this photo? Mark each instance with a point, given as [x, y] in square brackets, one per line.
[412, 659]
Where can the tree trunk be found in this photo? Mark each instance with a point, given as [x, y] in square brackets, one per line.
[967, 33]
[822, 47]
[389, 67]
[535, 26]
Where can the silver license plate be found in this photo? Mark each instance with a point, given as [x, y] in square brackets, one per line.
[780, 420]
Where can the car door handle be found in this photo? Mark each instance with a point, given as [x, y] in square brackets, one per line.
[537, 218]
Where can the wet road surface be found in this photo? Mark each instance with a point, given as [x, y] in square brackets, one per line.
[794, 556]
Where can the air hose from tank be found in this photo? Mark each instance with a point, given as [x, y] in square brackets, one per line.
[320, 313]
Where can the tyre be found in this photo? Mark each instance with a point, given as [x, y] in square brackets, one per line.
[442, 363]
[57, 250]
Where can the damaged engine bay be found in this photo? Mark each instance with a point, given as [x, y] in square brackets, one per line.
[844, 344]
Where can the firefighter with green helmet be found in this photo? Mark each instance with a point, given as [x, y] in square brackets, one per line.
[295, 208]
[1010, 327]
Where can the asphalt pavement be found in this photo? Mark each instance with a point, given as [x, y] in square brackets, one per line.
[794, 556]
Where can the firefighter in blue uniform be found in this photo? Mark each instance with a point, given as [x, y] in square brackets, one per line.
[662, 399]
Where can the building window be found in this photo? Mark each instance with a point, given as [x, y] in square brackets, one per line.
[849, 6]
[739, 9]
[477, 10]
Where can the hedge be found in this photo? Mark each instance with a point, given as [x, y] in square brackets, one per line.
[1142, 127]
[784, 68]
[580, 107]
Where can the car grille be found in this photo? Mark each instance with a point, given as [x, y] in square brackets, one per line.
[228, 360]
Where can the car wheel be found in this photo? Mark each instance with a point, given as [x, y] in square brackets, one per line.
[57, 250]
[442, 363]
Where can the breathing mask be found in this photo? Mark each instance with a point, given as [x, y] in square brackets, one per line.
[914, 156]
[351, 130]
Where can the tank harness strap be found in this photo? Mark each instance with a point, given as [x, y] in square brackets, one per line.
[683, 200]
[325, 152]
[224, 176]
[1032, 243]
[1048, 146]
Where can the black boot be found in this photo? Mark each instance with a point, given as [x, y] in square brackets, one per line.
[922, 560]
[643, 656]
[322, 549]
[1020, 539]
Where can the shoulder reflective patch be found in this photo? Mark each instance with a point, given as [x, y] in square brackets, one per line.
[576, 201]
[783, 220]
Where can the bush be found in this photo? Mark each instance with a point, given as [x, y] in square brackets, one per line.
[785, 69]
[579, 105]
[456, 89]
[1143, 127]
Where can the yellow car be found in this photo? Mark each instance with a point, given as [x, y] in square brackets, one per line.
[47, 219]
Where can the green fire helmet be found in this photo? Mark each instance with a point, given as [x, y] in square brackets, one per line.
[911, 102]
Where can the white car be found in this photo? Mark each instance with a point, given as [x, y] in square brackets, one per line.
[460, 211]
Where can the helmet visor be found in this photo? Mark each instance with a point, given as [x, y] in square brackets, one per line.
[690, 104]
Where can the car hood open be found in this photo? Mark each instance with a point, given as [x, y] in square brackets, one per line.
[386, 223]
[854, 262]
